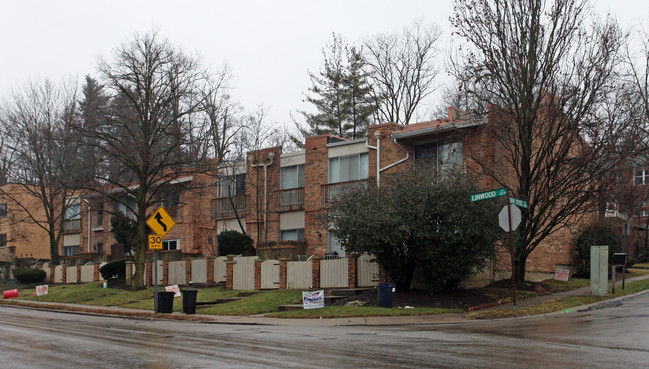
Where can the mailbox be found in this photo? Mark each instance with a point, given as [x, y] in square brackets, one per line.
[619, 258]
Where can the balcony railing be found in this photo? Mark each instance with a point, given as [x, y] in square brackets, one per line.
[72, 225]
[289, 200]
[229, 206]
[333, 190]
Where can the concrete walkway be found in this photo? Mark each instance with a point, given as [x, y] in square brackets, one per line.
[261, 320]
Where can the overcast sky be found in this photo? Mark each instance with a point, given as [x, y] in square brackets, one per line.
[269, 45]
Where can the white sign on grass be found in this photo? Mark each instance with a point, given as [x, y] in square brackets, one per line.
[313, 299]
[41, 290]
[173, 289]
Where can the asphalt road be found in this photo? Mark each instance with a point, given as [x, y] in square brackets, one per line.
[612, 336]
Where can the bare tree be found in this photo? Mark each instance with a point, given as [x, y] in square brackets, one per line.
[154, 88]
[38, 135]
[545, 76]
[402, 71]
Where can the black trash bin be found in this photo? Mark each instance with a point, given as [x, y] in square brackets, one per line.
[386, 294]
[189, 301]
[165, 302]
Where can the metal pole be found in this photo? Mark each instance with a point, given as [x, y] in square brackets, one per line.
[511, 246]
[155, 281]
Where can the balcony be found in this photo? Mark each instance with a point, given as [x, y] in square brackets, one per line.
[289, 200]
[229, 207]
[72, 225]
[332, 190]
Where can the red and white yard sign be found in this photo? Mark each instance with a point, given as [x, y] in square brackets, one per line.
[561, 275]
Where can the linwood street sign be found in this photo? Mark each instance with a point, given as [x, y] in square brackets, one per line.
[160, 222]
[489, 194]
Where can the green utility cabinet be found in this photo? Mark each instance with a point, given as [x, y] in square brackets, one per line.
[599, 270]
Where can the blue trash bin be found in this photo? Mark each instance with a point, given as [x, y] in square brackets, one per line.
[386, 294]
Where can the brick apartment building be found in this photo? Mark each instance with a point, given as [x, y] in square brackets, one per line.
[277, 197]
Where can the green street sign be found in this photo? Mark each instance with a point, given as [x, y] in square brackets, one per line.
[518, 202]
[489, 194]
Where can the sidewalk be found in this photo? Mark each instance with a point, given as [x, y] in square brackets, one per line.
[261, 320]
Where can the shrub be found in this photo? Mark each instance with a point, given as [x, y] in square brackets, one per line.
[115, 269]
[596, 234]
[235, 243]
[28, 275]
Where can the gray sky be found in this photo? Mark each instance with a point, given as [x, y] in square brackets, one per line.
[269, 45]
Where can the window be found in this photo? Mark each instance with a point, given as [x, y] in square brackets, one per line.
[170, 200]
[229, 186]
[3, 210]
[73, 212]
[348, 168]
[3, 239]
[292, 235]
[71, 250]
[170, 245]
[439, 155]
[99, 215]
[642, 209]
[99, 247]
[334, 245]
[641, 176]
[292, 177]
[126, 206]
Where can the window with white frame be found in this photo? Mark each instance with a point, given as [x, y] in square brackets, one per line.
[170, 245]
[442, 155]
[642, 209]
[641, 176]
[349, 168]
[292, 234]
[291, 177]
[73, 212]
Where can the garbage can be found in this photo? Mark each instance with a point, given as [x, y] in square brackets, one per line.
[189, 301]
[386, 294]
[165, 302]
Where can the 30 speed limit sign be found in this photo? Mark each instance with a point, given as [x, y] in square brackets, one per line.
[155, 242]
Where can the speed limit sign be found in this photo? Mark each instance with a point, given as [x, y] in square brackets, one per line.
[155, 242]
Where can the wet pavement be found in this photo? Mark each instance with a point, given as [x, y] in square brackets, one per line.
[607, 335]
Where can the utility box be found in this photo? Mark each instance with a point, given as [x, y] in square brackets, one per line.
[599, 270]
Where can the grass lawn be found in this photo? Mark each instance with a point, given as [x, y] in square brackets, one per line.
[268, 302]
[565, 303]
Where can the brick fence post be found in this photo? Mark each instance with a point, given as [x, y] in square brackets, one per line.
[52, 271]
[148, 279]
[282, 273]
[78, 274]
[315, 272]
[96, 276]
[129, 272]
[351, 272]
[64, 272]
[188, 271]
[257, 275]
[210, 269]
[165, 272]
[229, 274]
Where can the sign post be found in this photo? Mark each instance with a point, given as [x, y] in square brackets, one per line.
[509, 219]
[161, 223]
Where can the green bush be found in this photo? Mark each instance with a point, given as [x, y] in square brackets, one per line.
[600, 233]
[115, 269]
[28, 275]
[235, 243]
